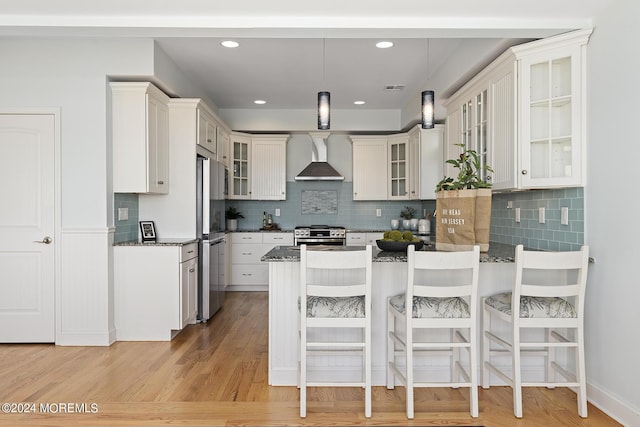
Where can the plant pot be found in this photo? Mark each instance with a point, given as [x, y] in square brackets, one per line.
[232, 224]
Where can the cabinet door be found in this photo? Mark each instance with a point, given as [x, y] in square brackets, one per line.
[414, 163]
[502, 148]
[223, 146]
[158, 135]
[431, 161]
[369, 168]
[239, 187]
[188, 291]
[451, 150]
[398, 186]
[207, 132]
[551, 140]
[269, 168]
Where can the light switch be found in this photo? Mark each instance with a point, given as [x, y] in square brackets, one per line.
[277, 212]
[517, 214]
[123, 214]
[378, 212]
[510, 204]
[541, 218]
[564, 216]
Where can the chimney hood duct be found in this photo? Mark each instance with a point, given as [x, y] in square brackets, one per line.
[319, 169]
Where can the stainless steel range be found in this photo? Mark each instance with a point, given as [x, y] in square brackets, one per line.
[320, 235]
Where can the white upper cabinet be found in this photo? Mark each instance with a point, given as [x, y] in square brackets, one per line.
[369, 167]
[239, 184]
[269, 167]
[552, 105]
[207, 131]
[258, 167]
[398, 167]
[525, 115]
[426, 150]
[140, 120]
[223, 146]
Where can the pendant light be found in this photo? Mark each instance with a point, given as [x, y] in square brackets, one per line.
[324, 99]
[428, 99]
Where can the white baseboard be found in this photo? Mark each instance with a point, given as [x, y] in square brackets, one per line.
[612, 406]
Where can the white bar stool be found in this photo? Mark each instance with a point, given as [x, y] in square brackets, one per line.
[442, 288]
[549, 290]
[335, 293]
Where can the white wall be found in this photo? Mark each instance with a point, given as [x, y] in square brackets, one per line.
[612, 208]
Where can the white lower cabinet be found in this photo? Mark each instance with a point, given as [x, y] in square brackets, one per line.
[248, 273]
[155, 290]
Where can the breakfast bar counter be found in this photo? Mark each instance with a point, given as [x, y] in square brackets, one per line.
[389, 278]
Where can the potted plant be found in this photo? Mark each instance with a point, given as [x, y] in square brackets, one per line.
[232, 215]
[407, 214]
[463, 205]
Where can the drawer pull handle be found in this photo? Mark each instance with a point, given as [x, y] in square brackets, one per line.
[189, 252]
[247, 274]
[247, 253]
[160, 182]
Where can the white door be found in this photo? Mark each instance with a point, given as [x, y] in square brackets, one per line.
[26, 228]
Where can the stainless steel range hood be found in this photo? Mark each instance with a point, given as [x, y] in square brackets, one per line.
[319, 169]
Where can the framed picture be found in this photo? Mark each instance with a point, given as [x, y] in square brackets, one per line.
[148, 230]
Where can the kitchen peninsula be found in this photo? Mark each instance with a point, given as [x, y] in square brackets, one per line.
[389, 278]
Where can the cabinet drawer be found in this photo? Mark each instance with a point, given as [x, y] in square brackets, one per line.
[189, 251]
[356, 239]
[246, 237]
[247, 254]
[250, 275]
[278, 238]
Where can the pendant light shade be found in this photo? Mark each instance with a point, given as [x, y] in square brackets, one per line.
[324, 118]
[428, 97]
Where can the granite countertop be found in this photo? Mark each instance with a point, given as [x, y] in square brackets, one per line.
[158, 242]
[498, 252]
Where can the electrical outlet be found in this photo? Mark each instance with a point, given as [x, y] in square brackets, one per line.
[277, 212]
[541, 218]
[564, 216]
[517, 214]
[123, 214]
[378, 213]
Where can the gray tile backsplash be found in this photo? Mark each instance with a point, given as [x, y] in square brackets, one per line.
[128, 229]
[552, 234]
[318, 202]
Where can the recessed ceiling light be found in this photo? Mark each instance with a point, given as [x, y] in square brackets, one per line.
[259, 102]
[384, 44]
[358, 102]
[230, 43]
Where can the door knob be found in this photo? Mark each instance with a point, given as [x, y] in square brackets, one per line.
[47, 240]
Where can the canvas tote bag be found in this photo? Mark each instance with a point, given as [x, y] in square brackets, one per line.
[482, 222]
[455, 220]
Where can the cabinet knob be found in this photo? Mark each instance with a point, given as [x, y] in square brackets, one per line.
[524, 172]
[488, 177]
[191, 270]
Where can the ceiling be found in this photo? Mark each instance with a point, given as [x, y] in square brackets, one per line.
[288, 51]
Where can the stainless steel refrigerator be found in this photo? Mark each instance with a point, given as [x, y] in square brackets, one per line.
[210, 223]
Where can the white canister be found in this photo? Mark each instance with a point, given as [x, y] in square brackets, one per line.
[424, 226]
[414, 224]
[395, 224]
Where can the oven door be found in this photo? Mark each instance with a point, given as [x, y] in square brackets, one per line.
[321, 241]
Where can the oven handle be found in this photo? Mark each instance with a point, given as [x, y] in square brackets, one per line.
[306, 240]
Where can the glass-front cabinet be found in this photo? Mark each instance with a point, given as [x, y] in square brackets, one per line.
[398, 174]
[239, 186]
[551, 126]
[524, 114]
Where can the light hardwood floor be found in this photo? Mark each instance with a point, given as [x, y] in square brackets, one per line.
[216, 374]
